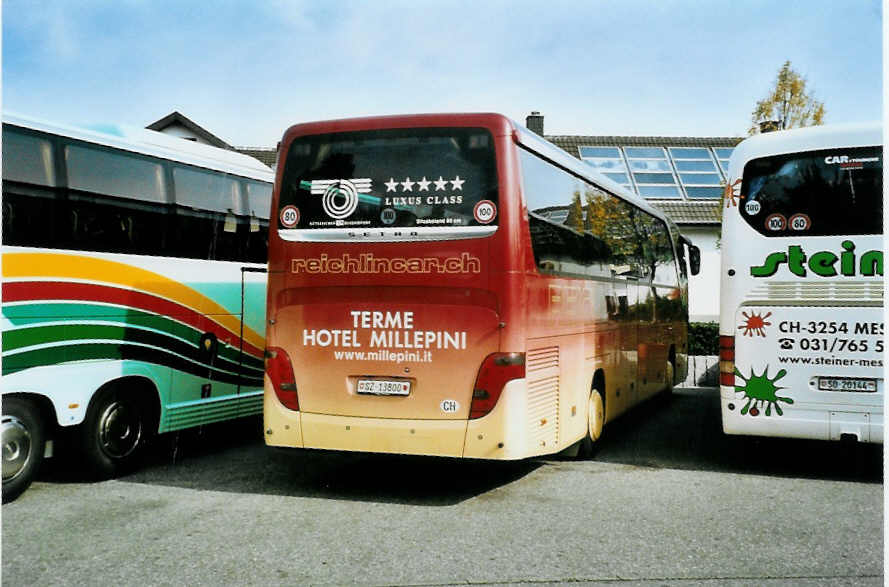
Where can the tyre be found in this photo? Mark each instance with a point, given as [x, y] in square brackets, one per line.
[24, 441]
[595, 423]
[115, 431]
[669, 374]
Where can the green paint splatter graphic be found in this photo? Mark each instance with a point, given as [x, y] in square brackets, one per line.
[759, 390]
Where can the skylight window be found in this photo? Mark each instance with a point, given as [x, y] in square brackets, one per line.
[652, 173]
[607, 161]
[723, 155]
[697, 172]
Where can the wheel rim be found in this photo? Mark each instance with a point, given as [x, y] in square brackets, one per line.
[16, 447]
[596, 416]
[120, 429]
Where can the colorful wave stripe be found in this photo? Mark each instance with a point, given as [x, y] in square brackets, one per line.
[66, 307]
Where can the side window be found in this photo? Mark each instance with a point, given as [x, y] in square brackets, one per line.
[657, 250]
[680, 255]
[557, 214]
[117, 225]
[259, 202]
[117, 174]
[27, 158]
[210, 215]
[34, 213]
[615, 222]
[117, 201]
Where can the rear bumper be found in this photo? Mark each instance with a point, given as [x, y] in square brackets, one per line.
[814, 421]
[502, 434]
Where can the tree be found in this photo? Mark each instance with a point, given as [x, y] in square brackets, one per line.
[576, 215]
[788, 105]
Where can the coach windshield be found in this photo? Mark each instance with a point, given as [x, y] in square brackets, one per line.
[394, 184]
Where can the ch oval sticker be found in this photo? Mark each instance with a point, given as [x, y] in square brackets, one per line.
[450, 406]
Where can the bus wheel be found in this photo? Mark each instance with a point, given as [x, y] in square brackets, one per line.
[114, 432]
[24, 440]
[670, 370]
[595, 422]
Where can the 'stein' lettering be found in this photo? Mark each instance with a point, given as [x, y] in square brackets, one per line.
[822, 263]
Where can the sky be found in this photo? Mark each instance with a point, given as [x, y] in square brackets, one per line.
[247, 69]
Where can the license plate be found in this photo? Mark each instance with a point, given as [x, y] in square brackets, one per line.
[846, 384]
[384, 387]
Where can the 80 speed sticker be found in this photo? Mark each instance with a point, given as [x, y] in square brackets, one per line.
[289, 216]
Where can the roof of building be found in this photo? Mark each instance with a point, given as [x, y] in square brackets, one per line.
[264, 154]
[571, 143]
[176, 117]
[685, 213]
[681, 211]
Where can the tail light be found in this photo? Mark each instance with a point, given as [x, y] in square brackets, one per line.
[727, 360]
[280, 372]
[496, 370]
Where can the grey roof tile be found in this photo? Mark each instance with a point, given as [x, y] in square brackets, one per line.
[685, 213]
[263, 154]
[571, 143]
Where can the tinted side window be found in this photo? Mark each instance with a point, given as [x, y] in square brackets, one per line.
[117, 225]
[561, 238]
[616, 223]
[657, 250]
[27, 158]
[220, 217]
[259, 203]
[115, 174]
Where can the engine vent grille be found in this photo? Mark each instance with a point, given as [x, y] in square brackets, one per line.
[816, 294]
[542, 370]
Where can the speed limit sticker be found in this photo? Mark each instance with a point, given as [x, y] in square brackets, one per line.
[485, 212]
[800, 222]
[752, 207]
[776, 222]
[289, 216]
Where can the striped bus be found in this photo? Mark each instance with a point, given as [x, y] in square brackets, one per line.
[133, 291]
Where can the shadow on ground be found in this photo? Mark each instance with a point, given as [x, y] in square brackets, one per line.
[232, 457]
[682, 431]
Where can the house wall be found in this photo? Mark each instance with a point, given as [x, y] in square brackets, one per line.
[180, 131]
[703, 305]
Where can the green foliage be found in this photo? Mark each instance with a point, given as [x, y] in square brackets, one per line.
[703, 338]
[788, 104]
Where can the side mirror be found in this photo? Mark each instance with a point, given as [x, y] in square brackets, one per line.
[694, 259]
